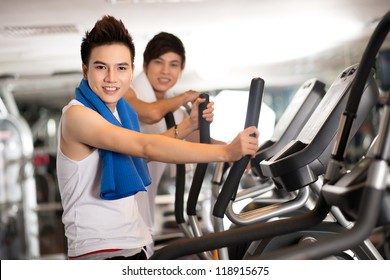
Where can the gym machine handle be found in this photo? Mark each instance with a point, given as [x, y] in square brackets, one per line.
[204, 126]
[180, 178]
[200, 171]
[230, 187]
[367, 63]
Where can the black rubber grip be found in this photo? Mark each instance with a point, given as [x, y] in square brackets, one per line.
[230, 186]
[367, 63]
[169, 120]
[204, 126]
[179, 193]
[357, 88]
[180, 178]
[200, 171]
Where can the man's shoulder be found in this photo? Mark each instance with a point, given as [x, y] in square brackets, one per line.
[70, 104]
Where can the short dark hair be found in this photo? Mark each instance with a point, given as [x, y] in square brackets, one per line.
[108, 30]
[162, 43]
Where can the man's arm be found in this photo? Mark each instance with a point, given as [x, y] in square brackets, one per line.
[81, 125]
[152, 112]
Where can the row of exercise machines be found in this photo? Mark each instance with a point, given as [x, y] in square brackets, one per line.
[323, 208]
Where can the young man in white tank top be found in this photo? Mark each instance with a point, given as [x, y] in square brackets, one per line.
[101, 152]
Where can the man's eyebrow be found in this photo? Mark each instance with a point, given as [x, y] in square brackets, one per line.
[120, 64]
[169, 61]
[123, 64]
[99, 62]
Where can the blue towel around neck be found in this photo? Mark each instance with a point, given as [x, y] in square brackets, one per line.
[122, 175]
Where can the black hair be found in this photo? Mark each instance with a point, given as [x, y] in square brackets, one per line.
[106, 31]
[162, 43]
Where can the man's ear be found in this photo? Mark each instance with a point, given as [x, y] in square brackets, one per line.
[85, 70]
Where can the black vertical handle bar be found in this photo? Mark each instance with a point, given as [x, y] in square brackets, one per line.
[204, 125]
[200, 171]
[180, 179]
[366, 64]
[230, 187]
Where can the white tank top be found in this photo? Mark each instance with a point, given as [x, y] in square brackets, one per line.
[91, 223]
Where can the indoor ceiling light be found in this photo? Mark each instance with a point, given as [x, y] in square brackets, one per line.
[37, 30]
